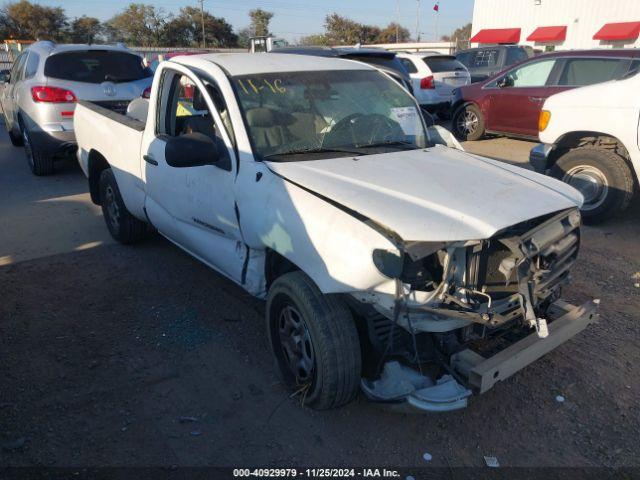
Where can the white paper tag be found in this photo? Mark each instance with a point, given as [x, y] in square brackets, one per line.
[408, 119]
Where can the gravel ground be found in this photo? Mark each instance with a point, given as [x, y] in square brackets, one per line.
[138, 356]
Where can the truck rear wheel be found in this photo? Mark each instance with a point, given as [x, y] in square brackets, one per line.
[123, 226]
[314, 340]
[603, 177]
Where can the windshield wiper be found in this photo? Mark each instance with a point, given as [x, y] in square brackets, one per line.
[313, 150]
[392, 143]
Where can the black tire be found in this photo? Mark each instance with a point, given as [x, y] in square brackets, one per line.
[444, 113]
[586, 168]
[330, 341]
[468, 123]
[39, 163]
[16, 140]
[123, 227]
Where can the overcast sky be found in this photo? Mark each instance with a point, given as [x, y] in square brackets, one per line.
[293, 19]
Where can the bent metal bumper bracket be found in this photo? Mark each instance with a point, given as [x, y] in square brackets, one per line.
[483, 373]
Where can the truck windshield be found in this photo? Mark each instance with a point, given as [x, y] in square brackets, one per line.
[96, 66]
[311, 115]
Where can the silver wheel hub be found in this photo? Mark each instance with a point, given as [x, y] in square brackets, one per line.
[295, 341]
[467, 122]
[112, 207]
[590, 182]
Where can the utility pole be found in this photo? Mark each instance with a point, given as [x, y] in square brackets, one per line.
[397, 21]
[418, 21]
[204, 41]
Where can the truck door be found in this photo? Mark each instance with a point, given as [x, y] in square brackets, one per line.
[192, 206]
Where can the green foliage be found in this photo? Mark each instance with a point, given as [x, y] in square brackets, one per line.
[138, 24]
[84, 30]
[340, 30]
[185, 30]
[260, 22]
[24, 20]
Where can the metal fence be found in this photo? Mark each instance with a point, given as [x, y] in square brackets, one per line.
[6, 60]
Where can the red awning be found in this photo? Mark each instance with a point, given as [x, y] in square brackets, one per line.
[548, 34]
[497, 35]
[618, 31]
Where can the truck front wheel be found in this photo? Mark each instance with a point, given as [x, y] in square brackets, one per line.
[603, 177]
[123, 226]
[314, 340]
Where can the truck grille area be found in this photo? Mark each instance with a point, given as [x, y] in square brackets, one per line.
[541, 257]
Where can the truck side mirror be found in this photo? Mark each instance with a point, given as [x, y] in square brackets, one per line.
[191, 150]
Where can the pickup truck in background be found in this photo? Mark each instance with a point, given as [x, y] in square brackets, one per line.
[590, 141]
[415, 272]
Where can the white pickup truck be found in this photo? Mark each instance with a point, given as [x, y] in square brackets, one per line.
[591, 141]
[415, 272]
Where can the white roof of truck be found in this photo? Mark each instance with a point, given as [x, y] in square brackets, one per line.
[257, 63]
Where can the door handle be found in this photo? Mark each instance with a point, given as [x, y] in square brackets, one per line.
[536, 99]
[150, 159]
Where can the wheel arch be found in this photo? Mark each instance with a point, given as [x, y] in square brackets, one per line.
[584, 138]
[96, 163]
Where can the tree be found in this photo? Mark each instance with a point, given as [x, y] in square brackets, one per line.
[185, 30]
[388, 34]
[84, 30]
[244, 36]
[24, 20]
[315, 39]
[344, 31]
[260, 22]
[461, 34]
[138, 24]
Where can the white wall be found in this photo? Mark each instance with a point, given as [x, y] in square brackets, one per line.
[583, 18]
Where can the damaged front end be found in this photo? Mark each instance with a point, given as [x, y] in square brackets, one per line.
[459, 306]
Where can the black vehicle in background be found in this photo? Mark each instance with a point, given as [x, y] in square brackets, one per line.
[484, 62]
[379, 58]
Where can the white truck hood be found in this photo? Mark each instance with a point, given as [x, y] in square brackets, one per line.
[436, 194]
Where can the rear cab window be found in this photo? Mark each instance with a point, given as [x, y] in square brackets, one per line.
[443, 64]
[96, 66]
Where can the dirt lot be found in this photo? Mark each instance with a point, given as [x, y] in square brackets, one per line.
[114, 355]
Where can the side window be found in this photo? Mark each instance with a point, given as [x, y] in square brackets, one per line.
[587, 71]
[408, 64]
[18, 67]
[533, 74]
[32, 65]
[187, 112]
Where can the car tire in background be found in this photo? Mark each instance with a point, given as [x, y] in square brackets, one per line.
[123, 227]
[39, 163]
[468, 123]
[314, 340]
[16, 140]
[603, 177]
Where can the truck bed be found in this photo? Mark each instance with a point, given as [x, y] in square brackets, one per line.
[117, 138]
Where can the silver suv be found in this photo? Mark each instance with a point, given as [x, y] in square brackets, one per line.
[45, 82]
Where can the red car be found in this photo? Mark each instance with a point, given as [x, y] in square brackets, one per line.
[509, 103]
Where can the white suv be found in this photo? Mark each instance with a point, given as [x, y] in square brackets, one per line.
[433, 77]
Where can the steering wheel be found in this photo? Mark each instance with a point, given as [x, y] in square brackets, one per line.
[359, 129]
